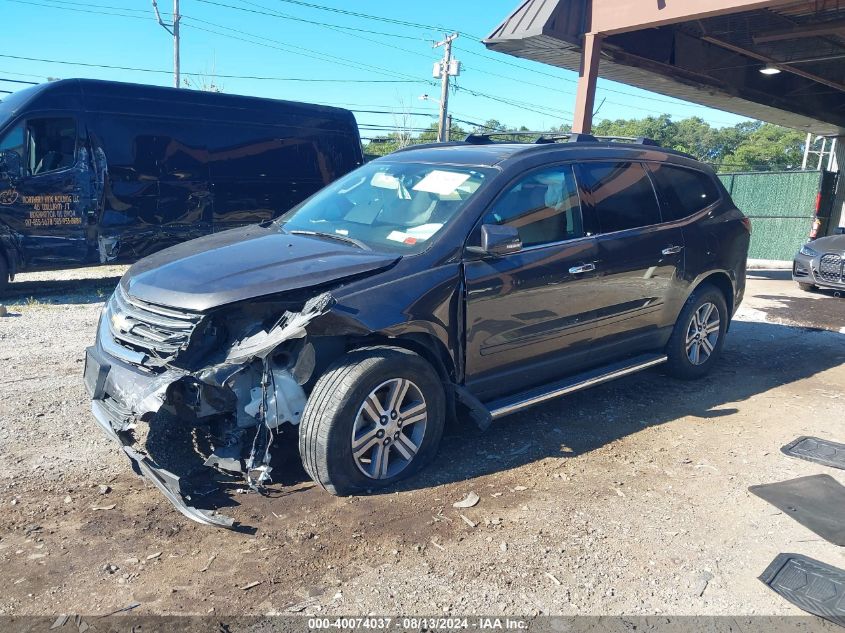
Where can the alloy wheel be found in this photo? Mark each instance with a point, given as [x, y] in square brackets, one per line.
[389, 428]
[702, 333]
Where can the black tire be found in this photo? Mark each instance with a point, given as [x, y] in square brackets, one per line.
[807, 287]
[679, 364]
[4, 273]
[326, 428]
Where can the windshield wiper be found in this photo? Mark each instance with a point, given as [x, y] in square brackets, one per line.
[333, 236]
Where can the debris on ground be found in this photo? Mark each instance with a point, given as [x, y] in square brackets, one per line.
[469, 501]
[468, 521]
[250, 585]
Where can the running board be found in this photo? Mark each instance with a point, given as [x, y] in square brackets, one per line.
[505, 406]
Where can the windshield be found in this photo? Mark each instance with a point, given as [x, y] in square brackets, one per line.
[383, 206]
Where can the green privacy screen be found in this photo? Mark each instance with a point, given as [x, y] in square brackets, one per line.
[781, 206]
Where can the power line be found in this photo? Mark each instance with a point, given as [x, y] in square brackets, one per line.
[286, 16]
[81, 10]
[298, 50]
[314, 54]
[427, 27]
[497, 60]
[167, 72]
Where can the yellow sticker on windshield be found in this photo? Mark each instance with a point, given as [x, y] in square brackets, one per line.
[440, 182]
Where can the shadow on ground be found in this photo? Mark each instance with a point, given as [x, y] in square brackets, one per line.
[757, 358]
[63, 291]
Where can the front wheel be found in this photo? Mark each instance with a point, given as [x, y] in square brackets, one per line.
[807, 287]
[699, 334]
[376, 416]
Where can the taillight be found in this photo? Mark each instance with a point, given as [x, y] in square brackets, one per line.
[818, 202]
[747, 224]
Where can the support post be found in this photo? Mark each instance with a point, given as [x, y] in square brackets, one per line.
[442, 129]
[176, 61]
[807, 144]
[587, 78]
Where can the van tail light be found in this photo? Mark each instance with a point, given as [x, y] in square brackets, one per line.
[818, 202]
[747, 224]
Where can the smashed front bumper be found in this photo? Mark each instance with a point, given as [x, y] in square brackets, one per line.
[247, 388]
[100, 376]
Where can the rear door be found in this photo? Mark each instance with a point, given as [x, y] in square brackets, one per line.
[529, 314]
[640, 256]
[46, 204]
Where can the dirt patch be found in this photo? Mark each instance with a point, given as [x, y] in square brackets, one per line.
[627, 498]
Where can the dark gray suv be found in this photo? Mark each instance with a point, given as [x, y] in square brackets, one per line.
[475, 276]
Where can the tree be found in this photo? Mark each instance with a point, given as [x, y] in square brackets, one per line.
[770, 147]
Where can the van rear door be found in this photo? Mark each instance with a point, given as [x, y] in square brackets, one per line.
[46, 204]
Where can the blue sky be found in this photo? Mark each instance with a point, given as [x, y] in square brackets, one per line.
[290, 39]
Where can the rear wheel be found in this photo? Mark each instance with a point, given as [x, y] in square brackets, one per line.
[807, 287]
[376, 416]
[699, 334]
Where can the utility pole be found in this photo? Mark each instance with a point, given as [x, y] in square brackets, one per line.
[444, 69]
[173, 29]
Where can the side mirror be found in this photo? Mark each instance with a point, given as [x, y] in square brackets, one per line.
[499, 240]
[10, 164]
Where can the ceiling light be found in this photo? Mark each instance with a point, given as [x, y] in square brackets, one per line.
[770, 70]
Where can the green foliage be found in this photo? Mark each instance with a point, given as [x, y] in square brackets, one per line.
[747, 146]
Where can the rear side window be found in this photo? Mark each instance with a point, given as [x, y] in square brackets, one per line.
[620, 194]
[543, 207]
[684, 191]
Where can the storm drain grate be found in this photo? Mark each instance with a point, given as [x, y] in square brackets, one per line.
[811, 585]
[817, 450]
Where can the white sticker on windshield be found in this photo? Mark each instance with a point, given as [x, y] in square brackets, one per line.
[424, 231]
[442, 183]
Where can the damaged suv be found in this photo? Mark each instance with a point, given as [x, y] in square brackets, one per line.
[479, 276]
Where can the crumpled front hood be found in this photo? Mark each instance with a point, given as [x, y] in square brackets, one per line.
[245, 263]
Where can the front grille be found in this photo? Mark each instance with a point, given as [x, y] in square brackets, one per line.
[830, 268]
[156, 331]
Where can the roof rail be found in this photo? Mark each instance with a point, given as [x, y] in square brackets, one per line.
[634, 140]
[486, 138]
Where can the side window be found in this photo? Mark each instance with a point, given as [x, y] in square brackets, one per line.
[14, 141]
[620, 194]
[52, 144]
[684, 191]
[544, 208]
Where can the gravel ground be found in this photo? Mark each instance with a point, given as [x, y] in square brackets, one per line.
[630, 498]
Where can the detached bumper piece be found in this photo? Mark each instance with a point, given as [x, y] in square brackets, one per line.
[164, 480]
[811, 585]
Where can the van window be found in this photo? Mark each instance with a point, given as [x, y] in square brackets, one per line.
[684, 191]
[620, 193]
[13, 141]
[543, 207]
[52, 144]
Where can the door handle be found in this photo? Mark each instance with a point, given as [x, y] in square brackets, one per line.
[585, 268]
[672, 250]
